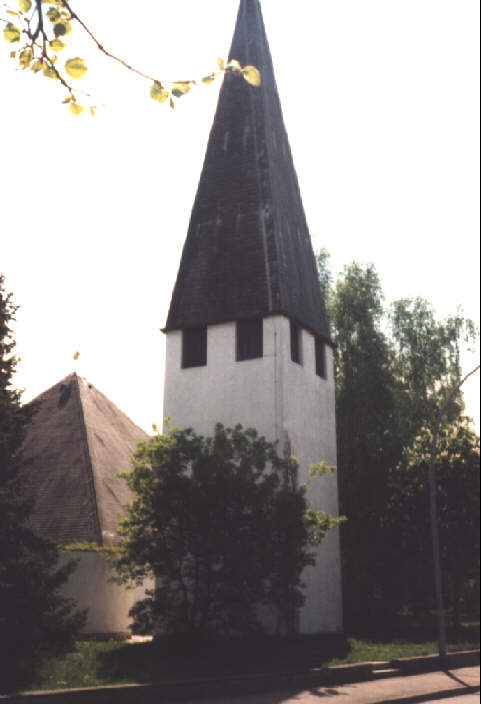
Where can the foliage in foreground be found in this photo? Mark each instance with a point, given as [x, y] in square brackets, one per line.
[39, 34]
[224, 527]
[34, 618]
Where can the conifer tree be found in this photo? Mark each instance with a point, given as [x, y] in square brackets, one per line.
[34, 618]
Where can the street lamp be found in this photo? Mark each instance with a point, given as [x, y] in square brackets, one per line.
[442, 639]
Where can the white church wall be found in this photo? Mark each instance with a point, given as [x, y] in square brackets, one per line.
[200, 397]
[284, 401]
[108, 604]
[308, 421]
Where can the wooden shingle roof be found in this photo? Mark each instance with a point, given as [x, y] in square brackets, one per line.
[76, 445]
[248, 251]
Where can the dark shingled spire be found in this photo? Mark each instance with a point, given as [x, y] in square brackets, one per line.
[248, 251]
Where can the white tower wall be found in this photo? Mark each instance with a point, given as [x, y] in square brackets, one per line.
[284, 401]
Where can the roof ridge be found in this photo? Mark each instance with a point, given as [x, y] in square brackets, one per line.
[111, 403]
[88, 460]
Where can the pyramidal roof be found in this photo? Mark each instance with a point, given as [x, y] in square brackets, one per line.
[76, 445]
[248, 251]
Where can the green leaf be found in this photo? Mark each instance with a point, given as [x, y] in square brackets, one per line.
[48, 72]
[76, 109]
[37, 66]
[13, 54]
[252, 75]
[220, 63]
[12, 13]
[57, 44]
[180, 89]
[25, 5]
[172, 104]
[11, 33]
[75, 67]
[60, 29]
[66, 100]
[158, 92]
[207, 80]
[53, 14]
[92, 110]
[25, 57]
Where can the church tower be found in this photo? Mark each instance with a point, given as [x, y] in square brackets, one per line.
[247, 335]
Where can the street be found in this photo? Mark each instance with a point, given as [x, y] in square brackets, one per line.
[417, 689]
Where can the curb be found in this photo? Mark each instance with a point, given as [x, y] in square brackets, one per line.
[249, 684]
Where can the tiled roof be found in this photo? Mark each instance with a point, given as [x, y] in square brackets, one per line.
[248, 251]
[75, 447]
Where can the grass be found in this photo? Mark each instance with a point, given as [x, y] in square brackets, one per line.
[373, 651]
[105, 663]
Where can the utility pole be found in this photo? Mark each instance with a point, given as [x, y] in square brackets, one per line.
[442, 638]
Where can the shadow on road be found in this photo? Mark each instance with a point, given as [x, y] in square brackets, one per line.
[327, 693]
[450, 674]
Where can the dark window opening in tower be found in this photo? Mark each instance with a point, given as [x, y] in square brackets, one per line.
[296, 344]
[320, 358]
[194, 347]
[249, 339]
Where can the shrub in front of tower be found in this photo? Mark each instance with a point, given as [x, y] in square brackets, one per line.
[225, 529]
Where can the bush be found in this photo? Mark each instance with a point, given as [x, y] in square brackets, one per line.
[223, 526]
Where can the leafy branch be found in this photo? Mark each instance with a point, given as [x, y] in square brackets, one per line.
[41, 34]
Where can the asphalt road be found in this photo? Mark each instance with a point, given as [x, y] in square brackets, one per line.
[453, 687]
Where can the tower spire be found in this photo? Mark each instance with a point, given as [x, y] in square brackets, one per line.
[248, 251]
[246, 330]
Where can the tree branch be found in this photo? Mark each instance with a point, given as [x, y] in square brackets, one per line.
[101, 48]
[39, 29]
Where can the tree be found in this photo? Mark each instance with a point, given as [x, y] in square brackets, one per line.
[393, 367]
[426, 362]
[222, 525]
[457, 475]
[366, 429]
[41, 34]
[34, 617]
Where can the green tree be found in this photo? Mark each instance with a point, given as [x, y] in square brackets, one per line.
[222, 525]
[408, 523]
[366, 429]
[394, 368]
[426, 362]
[34, 618]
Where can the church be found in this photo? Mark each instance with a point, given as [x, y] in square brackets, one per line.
[247, 335]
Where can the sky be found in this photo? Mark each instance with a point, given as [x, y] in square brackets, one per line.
[381, 103]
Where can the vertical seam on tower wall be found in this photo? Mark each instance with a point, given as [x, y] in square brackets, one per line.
[276, 383]
[279, 377]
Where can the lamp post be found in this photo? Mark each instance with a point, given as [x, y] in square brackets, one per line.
[442, 639]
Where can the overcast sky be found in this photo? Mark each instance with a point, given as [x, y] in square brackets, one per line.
[381, 103]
